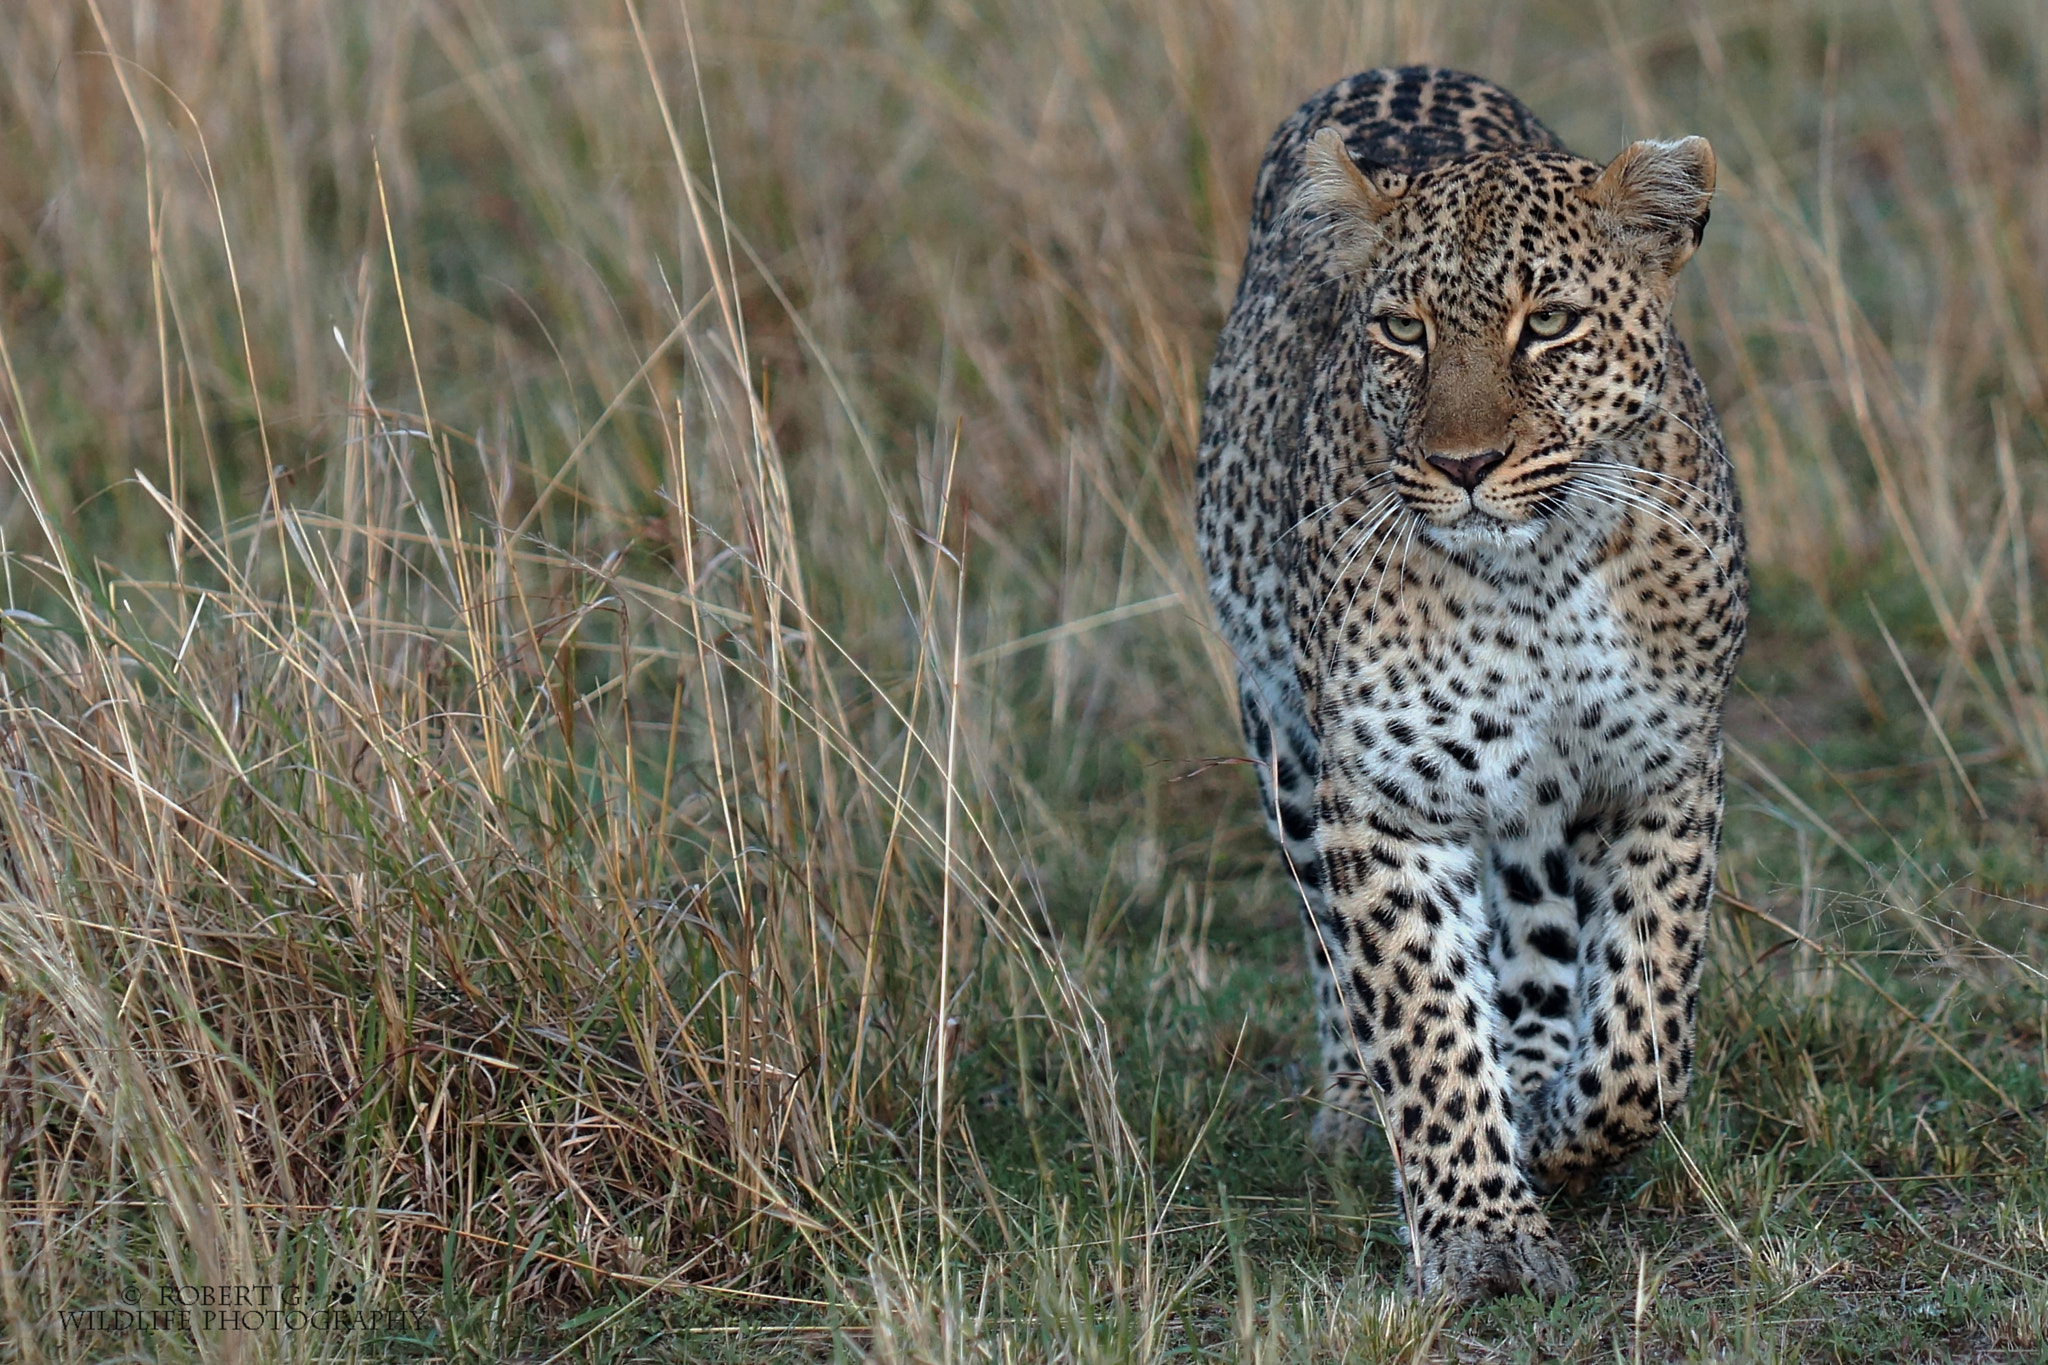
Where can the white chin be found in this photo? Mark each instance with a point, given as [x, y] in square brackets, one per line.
[1478, 531]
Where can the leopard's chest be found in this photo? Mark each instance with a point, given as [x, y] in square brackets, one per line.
[1481, 708]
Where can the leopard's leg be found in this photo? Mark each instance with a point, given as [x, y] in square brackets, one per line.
[1286, 751]
[1407, 893]
[1647, 876]
[1534, 949]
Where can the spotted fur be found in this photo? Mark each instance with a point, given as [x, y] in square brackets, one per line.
[1471, 532]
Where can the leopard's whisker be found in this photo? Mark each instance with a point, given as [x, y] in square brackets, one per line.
[1614, 475]
[1616, 490]
[1637, 471]
[1618, 498]
[1380, 524]
[1645, 496]
[1653, 481]
[1712, 443]
[1362, 540]
[1316, 514]
[1623, 495]
[1406, 540]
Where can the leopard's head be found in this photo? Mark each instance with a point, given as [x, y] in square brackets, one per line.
[1515, 309]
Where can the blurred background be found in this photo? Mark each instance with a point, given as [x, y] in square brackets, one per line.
[613, 734]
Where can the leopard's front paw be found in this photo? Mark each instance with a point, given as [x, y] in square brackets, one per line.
[1472, 1265]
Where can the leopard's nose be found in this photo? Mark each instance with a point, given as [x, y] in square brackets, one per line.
[1467, 470]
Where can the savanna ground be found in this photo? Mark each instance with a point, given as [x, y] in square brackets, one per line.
[613, 743]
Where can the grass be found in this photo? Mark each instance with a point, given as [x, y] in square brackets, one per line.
[614, 749]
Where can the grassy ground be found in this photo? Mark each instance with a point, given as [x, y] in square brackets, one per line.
[614, 750]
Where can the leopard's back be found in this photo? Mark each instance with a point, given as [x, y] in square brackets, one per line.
[1406, 117]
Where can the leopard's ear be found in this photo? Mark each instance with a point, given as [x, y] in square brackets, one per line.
[1344, 201]
[1655, 198]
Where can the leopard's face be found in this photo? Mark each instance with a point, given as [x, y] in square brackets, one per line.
[1514, 310]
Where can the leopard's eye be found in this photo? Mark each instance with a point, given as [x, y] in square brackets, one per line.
[1551, 322]
[1402, 328]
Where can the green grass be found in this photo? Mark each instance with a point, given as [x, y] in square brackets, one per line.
[612, 739]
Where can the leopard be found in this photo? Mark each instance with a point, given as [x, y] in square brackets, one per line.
[1473, 537]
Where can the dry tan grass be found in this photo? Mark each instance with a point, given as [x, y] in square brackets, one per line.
[582, 582]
